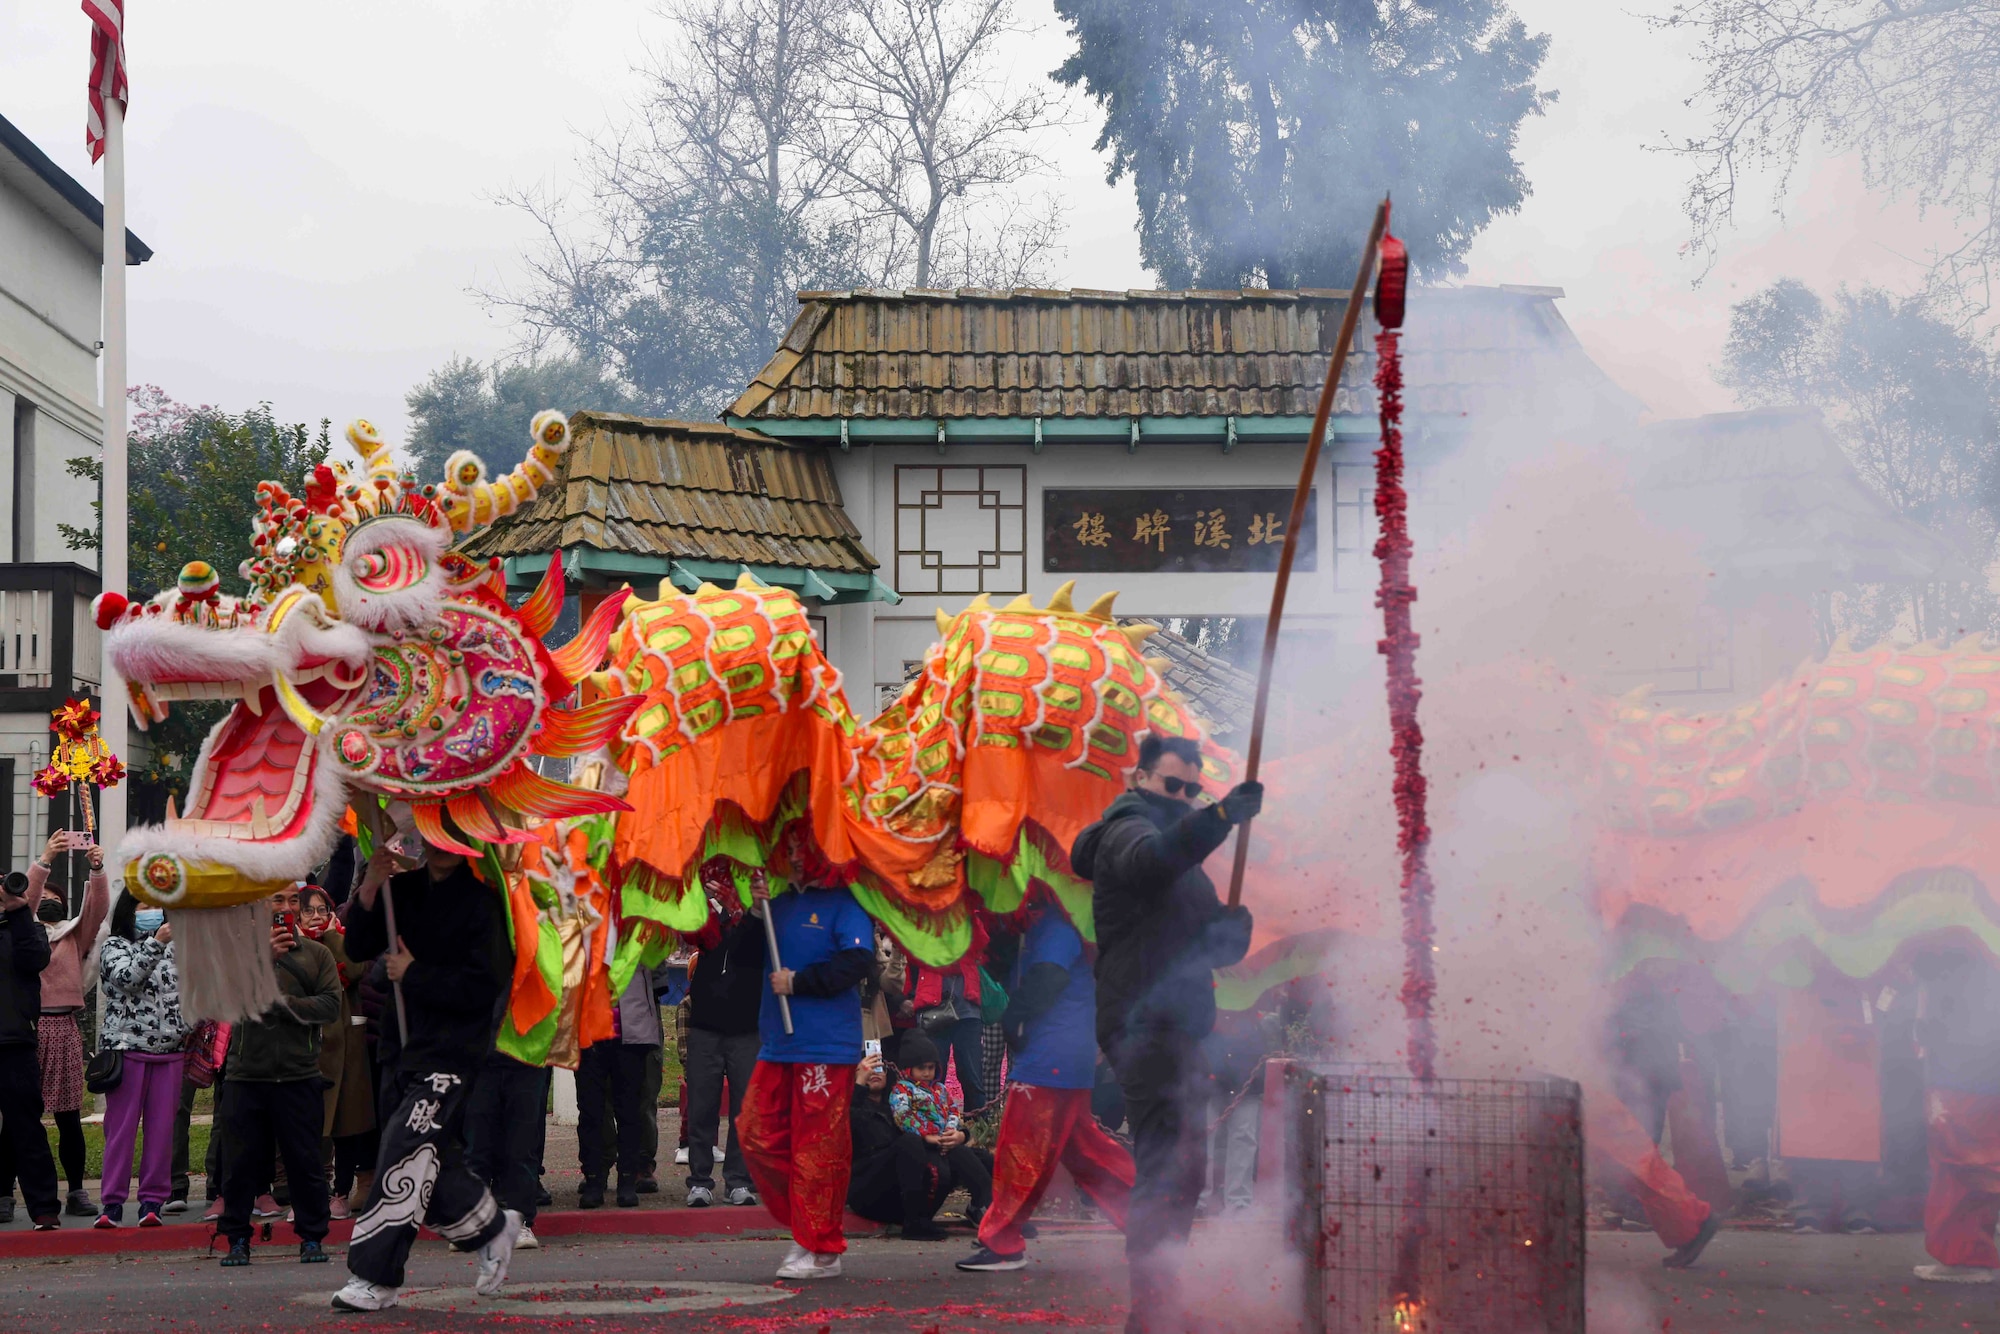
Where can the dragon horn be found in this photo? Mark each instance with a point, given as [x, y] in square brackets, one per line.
[372, 449]
[1061, 601]
[539, 612]
[1101, 609]
[980, 603]
[582, 730]
[943, 621]
[473, 502]
[542, 798]
[1021, 603]
[581, 655]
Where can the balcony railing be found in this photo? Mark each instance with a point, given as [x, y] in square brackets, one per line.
[50, 648]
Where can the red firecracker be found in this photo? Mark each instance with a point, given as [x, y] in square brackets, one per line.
[1399, 645]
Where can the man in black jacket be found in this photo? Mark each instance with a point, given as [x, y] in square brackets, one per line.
[24, 952]
[725, 992]
[451, 969]
[1161, 932]
[275, 1100]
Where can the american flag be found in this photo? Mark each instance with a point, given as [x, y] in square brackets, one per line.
[107, 66]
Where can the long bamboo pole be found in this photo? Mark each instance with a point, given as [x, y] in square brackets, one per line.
[1308, 469]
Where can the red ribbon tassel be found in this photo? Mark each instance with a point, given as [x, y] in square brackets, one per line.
[1399, 645]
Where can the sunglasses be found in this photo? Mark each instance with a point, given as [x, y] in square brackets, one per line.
[1175, 786]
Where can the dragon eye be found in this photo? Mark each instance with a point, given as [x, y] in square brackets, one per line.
[390, 569]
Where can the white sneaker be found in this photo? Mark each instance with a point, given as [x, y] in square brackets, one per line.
[794, 1258]
[700, 1197]
[742, 1195]
[809, 1266]
[361, 1295]
[495, 1255]
[527, 1241]
[1949, 1274]
[720, 1156]
[680, 1157]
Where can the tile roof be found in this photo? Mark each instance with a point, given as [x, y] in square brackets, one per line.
[686, 489]
[1025, 353]
[1770, 495]
[1221, 694]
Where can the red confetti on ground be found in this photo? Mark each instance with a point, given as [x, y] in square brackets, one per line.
[822, 1321]
[1399, 645]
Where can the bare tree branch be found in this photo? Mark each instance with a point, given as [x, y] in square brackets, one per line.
[1912, 86]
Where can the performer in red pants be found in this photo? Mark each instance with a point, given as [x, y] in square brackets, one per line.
[794, 1125]
[1051, 1027]
[1960, 1036]
[1614, 1136]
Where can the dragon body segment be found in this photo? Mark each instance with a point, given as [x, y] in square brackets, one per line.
[966, 791]
[1848, 811]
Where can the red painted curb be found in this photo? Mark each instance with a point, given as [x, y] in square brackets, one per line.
[723, 1221]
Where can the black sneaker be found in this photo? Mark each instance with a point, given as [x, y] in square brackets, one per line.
[542, 1197]
[1685, 1257]
[647, 1185]
[983, 1261]
[77, 1205]
[590, 1195]
[239, 1253]
[628, 1196]
[176, 1205]
[1029, 1231]
[311, 1253]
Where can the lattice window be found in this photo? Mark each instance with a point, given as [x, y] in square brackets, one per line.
[1437, 508]
[961, 530]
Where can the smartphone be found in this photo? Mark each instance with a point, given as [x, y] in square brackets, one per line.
[290, 922]
[872, 1047]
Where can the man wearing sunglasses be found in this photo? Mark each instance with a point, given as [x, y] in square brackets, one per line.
[1161, 931]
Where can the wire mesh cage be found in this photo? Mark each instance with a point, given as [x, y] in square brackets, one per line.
[1445, 1207]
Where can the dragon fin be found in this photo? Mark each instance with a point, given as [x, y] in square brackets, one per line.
[581, 730]
[429, 818]
[1061, 601]
[539, 612]
[540, 798]
[581, 655]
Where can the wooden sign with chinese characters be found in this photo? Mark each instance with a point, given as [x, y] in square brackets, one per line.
[1144, 530]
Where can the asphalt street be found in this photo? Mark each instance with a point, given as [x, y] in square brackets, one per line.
[1748, 1282]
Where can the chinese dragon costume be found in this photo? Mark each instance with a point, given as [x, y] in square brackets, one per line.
[369, 660]
[373, 664]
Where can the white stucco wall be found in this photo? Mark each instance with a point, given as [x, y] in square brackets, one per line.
[49, 324]
[871, 642]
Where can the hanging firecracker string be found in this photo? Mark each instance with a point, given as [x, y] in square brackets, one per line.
[1399, 645]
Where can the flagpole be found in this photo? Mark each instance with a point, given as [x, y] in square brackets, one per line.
[112, 563]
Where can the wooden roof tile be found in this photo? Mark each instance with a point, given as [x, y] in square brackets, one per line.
[692, 490]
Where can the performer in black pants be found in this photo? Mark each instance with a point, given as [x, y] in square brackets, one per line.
[454, 968]
[1161, 932]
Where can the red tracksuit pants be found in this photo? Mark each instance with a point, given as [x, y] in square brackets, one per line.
[1040, 1128]
[1613, 1135]
[797, 1146]
[1964, 1202]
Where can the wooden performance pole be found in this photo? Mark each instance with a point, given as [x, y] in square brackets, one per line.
[1307, 470]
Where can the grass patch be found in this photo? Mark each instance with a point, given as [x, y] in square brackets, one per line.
[93, 1149]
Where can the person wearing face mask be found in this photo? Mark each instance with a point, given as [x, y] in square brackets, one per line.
[59, 1046]
[1161, 933]
[142, 1022]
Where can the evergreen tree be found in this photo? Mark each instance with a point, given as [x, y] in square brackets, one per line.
[1259, 134]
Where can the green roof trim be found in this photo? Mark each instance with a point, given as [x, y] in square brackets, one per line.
[831, 587]
[1222, 429]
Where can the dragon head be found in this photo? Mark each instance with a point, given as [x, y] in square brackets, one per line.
[368, 656]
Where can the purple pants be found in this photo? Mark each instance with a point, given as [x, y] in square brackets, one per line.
[149, 1093]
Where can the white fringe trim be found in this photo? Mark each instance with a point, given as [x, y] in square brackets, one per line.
[224, 959]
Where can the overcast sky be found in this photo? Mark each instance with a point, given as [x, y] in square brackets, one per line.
[317, 183]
